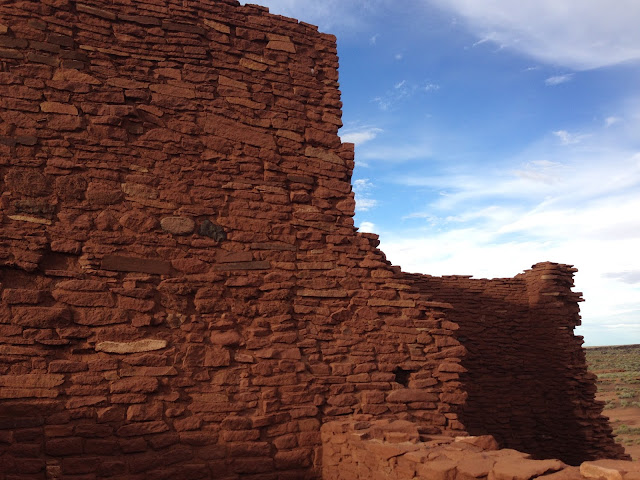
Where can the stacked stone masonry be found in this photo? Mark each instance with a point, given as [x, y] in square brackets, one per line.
[183, 292]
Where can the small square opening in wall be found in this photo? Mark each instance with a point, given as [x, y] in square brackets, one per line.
[402, 376]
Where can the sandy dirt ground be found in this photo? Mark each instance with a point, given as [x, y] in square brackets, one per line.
[629, 416]
[618, 370]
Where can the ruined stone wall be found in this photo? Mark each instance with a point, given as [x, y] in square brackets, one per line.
[526, 374]
[183, 293]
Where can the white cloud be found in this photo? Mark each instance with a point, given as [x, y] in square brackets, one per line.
[367, 227]
[575, 203]
[360, 135]
[487, 38]
[362, 188]
[631, 277]
[365, 204]
[384, 103]
[567, 138]
[609, 121]
[540, 171]
[577, 34]
[558, 79]
[362, 184]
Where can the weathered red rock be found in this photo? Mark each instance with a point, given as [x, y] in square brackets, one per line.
[178, 225]
[132, 264]
[510, 468]
[131, 347]
[354, 450]
[56, 107]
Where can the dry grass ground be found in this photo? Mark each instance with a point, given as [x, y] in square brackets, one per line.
[618, 370]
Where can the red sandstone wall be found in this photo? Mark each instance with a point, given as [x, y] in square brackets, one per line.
[526, 375]
[383, 450]
[183, 293]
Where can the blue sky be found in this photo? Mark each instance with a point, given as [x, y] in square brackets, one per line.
[497, 134]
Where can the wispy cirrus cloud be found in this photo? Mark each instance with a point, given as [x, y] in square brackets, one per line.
[612, 120]
[402, 91]
[558, 79]
[578, 34]
[567, 138]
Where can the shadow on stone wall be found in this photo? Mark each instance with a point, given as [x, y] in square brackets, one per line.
[526, 374]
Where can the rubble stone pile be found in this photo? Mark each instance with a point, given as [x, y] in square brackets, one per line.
[396, 450]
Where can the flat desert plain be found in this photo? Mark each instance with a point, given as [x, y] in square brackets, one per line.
[618, 370]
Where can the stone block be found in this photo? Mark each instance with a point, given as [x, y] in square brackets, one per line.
[282, 46]
[173, 91]
[217, 357]
[134, 385]
[324, 293]
[99, 193]
[145, 412]
[73, 75]
[121, 263]
[41, 317]
[84, 299]
[67, 366]
[147, 345]
[12, 296]
[233, 257]
[226, 338]
[43, 381]
[100, 317]
[56, 107]
[60, 447]
[81, 7]
[513, 468]
[254, 265]
[178, 225]
[593, 471]
[142, 428]
[437, 470]
[411, 395]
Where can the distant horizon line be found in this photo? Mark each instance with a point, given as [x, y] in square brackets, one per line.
[614, 346]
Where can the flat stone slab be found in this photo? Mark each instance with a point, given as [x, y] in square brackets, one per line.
[131, 347]
[121, 263]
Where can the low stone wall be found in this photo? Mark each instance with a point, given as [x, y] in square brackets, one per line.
[398, 450]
